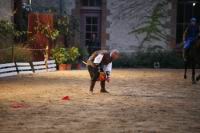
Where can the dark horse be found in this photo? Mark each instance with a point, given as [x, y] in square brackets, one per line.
[193, 59]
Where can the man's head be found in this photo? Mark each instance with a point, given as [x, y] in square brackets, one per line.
[193, 21]
[115, 54]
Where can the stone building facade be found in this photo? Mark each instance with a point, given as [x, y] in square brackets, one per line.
[114, 20]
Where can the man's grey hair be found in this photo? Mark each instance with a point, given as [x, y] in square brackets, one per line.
[114, 51]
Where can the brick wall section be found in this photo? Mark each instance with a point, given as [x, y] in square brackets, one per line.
[6, 7]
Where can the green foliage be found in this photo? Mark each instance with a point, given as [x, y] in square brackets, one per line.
[63, 55]
[153, 27]
[21, 54]
[72, 54]
[146, 59]
[68, 26]
[8, 32]
[83, 53]
[47, 31]
[60, 55]
[6, 28]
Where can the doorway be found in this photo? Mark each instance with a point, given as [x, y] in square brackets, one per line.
[90, 15]
[91, 24]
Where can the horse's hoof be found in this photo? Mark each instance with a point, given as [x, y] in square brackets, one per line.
[185, 77]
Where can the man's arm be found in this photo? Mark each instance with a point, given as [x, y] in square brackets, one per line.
[108, 69]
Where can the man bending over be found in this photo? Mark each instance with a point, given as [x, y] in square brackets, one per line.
[100, 64]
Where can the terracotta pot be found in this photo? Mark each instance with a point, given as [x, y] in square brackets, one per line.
[69, 66]
[62, 67]
[78, 66]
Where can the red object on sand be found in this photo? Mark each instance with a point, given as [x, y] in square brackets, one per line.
[18, 105]
[66, 98]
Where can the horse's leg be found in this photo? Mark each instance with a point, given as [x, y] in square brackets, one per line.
[186, 65]
[198, 78]
[193, 73]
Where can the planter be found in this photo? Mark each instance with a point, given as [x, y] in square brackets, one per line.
[62, 67]
[78, 66]
[69, 66]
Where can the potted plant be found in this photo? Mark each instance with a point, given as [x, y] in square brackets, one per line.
[72, 56]
[60, 56]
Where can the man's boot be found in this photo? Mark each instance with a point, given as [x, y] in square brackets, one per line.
[92, 84]
[103, 87]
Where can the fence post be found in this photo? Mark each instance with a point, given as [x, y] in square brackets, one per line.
[46, 56]
[13, 57]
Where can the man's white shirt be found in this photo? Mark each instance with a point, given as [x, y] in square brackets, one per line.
[106, 68]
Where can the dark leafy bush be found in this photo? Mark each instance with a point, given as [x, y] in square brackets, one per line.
[167, 59]
[21, 54]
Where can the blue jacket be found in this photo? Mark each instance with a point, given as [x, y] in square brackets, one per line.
[192, 32]
[190, 35]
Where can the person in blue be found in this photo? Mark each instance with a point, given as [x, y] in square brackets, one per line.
[190, 35]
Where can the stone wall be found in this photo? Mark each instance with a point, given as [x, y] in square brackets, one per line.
[46, 5]
[6, 9]
[58, 6]
[123, 16]
[127, 15]
[68, 6]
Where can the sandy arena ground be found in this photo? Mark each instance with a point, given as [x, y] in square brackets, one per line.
[140, 101]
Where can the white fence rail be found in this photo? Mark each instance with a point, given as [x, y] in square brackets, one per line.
[51, 65]
[7, 70]
[24, 68]
[39, 67]
[13, 69]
